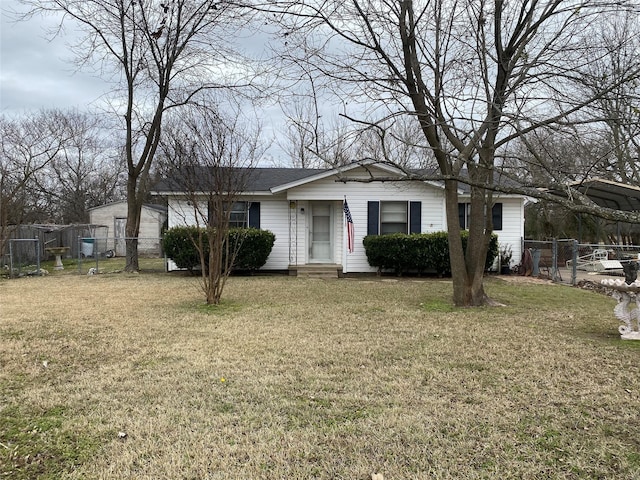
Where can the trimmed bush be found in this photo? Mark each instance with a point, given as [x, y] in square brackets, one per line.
[255, 248]
[179, 245]
[417, 252]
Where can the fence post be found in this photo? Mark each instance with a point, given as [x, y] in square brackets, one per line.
[80, 254]
[554, 260]
[95, 253]
[10, 259]
[38, 257]
[574, 263]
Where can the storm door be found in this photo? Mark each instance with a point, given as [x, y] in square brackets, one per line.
[321, 233]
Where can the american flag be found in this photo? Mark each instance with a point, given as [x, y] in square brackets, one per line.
[349, 225]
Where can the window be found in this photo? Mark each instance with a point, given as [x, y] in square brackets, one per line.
[464, 212]
[239, 214]
[463, 215]
[393, 217]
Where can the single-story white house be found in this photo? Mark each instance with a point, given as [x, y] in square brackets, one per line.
[114, 216]
[304, 209]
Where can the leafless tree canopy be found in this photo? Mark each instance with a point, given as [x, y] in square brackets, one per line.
[54, 165]
[210, 156]
[474, 76]
[160, 55]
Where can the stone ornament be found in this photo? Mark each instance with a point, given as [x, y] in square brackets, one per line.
[626, 311]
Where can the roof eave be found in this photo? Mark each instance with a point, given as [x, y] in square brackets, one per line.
[333, 172]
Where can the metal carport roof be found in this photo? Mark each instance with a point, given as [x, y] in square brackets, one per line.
[609, 194]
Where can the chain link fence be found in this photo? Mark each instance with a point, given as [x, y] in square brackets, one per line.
[83, 255]
[23, 258]
[544, 258]
[567, 261]
[107, 255]
[560, 260]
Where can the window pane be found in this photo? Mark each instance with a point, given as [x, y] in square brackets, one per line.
[464, 210]
[386, 228]
[238, 215]
[321, 228]
[393, 217]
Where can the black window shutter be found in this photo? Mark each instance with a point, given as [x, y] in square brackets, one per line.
[496, 215]
[415, 217]
[462, 215]
[254, 215]
[373, 218]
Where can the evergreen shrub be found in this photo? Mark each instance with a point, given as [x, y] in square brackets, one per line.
[417, 252]
[179, 244]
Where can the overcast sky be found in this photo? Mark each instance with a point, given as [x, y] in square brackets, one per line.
[36, 73]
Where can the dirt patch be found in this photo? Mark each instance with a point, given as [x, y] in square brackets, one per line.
[583, 284]
[595, 287]
[524, 279]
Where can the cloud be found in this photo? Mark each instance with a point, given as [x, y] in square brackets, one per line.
[37, 73]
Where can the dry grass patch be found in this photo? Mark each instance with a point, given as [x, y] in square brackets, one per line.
[294, 378]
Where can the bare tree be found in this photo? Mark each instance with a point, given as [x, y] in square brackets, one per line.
[86, 172]
[473, 74]
[314, 140]
[28, 145]
[619, 107]
[301, 133]
[604, 142]
[211, 159]
[161, 54]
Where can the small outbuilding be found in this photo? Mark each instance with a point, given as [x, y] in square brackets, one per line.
[114, 216]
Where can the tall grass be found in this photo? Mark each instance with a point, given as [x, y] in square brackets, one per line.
[132, 377]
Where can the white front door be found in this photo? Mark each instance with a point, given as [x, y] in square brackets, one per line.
[321, 233]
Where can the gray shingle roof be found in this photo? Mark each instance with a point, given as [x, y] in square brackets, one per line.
[254, 179]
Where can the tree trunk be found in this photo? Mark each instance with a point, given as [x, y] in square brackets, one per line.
[213, 284]
[467, 268]
[132, 228]
[131, 243]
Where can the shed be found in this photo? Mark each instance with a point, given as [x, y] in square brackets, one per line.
[114, 216]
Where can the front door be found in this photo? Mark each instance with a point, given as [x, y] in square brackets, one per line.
[321, 233]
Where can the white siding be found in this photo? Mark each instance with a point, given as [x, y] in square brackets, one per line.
[358, 195]
[274, 216]
[181, 213]
[301, 232]
[512, 231]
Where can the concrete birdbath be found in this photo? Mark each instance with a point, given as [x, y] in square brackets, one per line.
[58, 252]
[625, 291]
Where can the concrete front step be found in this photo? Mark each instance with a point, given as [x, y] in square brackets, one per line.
[316, 271]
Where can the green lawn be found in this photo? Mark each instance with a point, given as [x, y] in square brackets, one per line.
[81, 266]
[132, 377]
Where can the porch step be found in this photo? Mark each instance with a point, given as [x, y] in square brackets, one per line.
[317, 271]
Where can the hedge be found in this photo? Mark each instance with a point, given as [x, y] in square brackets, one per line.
[179, 244]
[255, 248]
[417, 252]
